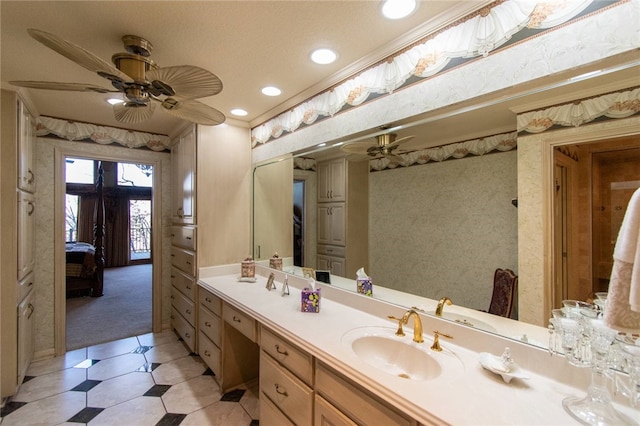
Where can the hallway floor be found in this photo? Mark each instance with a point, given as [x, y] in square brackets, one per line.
[146, 380]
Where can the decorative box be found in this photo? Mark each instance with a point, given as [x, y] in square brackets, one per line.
[310, 300]
[275, 262]
[248, 268]
[364, 286]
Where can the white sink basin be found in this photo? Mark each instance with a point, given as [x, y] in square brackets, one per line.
[468, 321]
[380, 348]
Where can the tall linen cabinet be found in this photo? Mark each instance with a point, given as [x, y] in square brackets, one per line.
[211, 206]
[17, 241]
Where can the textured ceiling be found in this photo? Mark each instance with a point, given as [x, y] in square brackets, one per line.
[248, 44]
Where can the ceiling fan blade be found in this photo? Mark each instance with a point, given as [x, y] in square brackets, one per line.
[131, 112]
[52, 85]
[193, 111]
[356, 148]
[185, 81]
[79, 55]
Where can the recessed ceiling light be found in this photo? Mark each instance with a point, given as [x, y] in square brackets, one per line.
[323, 56]
[271, 91]
[239, 111]
[397, 9]
[115, 101]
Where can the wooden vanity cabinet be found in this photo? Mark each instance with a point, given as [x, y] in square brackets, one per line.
[352, 401]
[210, 331]
[184, 312]
[286, 380]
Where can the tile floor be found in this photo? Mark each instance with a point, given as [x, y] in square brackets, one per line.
[146, 380]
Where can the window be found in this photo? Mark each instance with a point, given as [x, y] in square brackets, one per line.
[79, 170]
[135, 175]
[71, 221]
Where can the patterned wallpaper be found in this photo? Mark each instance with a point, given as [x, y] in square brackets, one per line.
[441, 229]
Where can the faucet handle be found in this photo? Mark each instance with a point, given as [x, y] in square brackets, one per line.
[399, 332]
[436, 341]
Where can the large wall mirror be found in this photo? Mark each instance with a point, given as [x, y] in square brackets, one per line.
[442, 228]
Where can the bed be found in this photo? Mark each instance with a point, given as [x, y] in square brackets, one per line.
[84, 261]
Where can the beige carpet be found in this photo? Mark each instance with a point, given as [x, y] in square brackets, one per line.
[123, 311]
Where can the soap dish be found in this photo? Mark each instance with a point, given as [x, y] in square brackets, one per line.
[247, 279]
[496, 365]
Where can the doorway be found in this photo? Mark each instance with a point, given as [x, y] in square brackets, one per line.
[299, 223]
[125, 304]
[593, 183]
[154, 160]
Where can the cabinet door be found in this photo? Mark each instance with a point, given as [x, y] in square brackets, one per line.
[338, 176]
[26, 233]
[25, 334]
[332, 180]
[323, 183]
[335, 265]
[331, 224]
[26, 139]
[183, 157]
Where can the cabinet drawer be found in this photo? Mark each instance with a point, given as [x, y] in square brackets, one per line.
[24, 286]
[183, 305]
[209, 324]
[354, 402]
[295, 360]
[184, 236]
[326, 414]
[289, 394]
[210, 353]
[331, 250]
[210, 301]
[184, 260]
[184, 329]
[270, 415]
[183, 282]
[240, 321]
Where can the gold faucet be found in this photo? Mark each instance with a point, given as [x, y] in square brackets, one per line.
[436, 340]
[417, 325]
[441, 305]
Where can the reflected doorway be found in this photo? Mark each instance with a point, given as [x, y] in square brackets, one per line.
[299, 223]
[593, 183]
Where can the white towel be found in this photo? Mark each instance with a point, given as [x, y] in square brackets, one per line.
[622, 309]
[628, 247]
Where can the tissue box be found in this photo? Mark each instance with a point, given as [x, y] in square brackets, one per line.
[248, 268]
[310, 300]
[275, 262]
[364, 286]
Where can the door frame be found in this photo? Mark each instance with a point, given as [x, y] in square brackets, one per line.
[60, 304]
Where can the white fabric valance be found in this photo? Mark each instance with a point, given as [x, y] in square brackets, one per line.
[474, 36]
[613, 105]
[100, 134]
[502, 142]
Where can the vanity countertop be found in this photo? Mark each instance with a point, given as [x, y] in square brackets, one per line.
[467, 395]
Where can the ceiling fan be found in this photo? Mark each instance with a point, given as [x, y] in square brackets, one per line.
[386, 146]
[140, 80]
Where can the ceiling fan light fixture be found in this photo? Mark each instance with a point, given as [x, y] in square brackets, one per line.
[115, 101]
[323, 56]
[398, 9]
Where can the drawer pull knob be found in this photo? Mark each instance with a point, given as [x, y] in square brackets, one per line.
[206, 299]
[188, 311]
[281, 390]
[172, 297]
[207, 324]
[281, 352]
[187, 335]
[207, 353]
[188, 238]
[172, 317]
[188, 288]
[236, 319]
